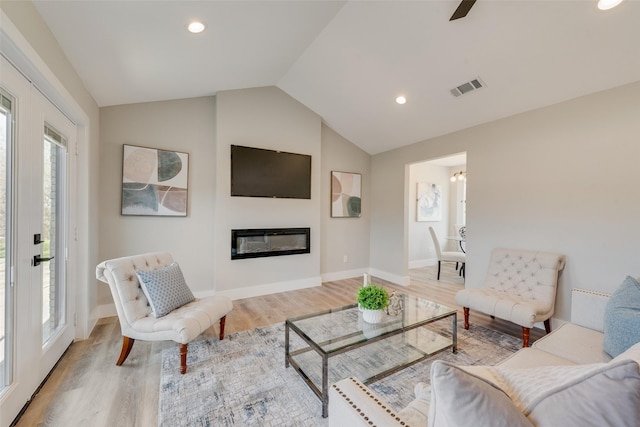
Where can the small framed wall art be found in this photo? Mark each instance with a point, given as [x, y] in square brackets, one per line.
[429, 202]
[154, 182]
[346, 193]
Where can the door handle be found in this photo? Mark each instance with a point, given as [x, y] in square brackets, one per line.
[37, 260]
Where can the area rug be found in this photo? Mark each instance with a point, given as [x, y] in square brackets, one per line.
[242, 380]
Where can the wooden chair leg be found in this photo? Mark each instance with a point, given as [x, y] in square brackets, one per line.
[525, 337]
[466, 317]
[127, 345]
[222, 322]
[183, 358]
[547, 325]
[438, 270]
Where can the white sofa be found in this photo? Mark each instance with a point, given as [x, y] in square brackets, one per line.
[463, 395]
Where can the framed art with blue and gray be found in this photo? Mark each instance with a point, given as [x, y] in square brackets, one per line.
[346, 195]
[154, 181]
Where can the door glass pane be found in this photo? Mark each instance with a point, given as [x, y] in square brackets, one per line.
[53, 247]
[5, 290]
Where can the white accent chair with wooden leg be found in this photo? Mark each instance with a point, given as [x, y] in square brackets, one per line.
[160, 307]
[520, 286]
[447, 256]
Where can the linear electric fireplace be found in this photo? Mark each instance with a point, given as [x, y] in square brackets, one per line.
[263, 242]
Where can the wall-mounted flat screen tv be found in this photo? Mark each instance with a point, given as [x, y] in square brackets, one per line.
[256, 172]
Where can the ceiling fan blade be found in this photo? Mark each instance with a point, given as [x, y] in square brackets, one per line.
[463, 8]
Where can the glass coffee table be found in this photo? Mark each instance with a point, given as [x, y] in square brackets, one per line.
[330, 345]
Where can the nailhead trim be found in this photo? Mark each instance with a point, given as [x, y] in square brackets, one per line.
[591, 292]
[372, 396]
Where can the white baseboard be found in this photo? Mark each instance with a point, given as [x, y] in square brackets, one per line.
[269, 288]
[390, 277]
[104, 310]
[419, 263]
[348, 274]
[341, 275]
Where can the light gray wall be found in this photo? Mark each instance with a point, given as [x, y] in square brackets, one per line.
[270, 119]
[205, 128]
[558, 179]
[344, 236]
[185, 125]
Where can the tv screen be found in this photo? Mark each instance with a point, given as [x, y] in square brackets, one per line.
[256, 172]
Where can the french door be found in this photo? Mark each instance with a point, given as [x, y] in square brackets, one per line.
[36, 311]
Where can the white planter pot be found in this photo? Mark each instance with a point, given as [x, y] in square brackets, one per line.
[372, 316]
[370, 330]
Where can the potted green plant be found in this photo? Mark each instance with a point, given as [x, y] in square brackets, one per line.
[373, 300]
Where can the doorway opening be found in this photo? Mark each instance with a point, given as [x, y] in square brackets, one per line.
[437, 198]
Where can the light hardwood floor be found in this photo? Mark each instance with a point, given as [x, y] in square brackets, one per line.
[87, 389]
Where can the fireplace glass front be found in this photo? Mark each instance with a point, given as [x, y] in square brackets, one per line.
[265, 242]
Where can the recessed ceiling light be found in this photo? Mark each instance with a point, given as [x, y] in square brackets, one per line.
[401, 100]
[196, 27]
[608, 4]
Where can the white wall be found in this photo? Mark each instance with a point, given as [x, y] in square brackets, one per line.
[270, 119]
[344, 236]
[422, 252]
[559, 179]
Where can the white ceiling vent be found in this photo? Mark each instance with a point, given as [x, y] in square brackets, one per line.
[467, 87]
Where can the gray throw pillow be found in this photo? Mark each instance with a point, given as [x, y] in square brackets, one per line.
[459, 398]
[622, 318]
[608, 396]
[165, 289]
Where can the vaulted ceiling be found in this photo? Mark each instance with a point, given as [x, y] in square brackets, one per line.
[349, 60]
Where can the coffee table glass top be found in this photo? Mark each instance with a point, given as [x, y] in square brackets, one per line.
[340, 328]
[327, 346]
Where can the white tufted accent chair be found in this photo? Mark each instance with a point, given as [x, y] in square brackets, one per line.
[136, 321]
[520, 286]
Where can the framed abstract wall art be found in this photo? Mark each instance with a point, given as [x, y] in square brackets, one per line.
[154, 182]
[346, 193]
[429, 202]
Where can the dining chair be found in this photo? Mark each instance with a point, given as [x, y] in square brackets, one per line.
[447, 256]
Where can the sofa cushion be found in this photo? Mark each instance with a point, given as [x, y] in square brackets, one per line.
[632, 353]
[165, 289]
[602, 394]
[532, 357]
[459, 398]
[575, 343]
[622, 318]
